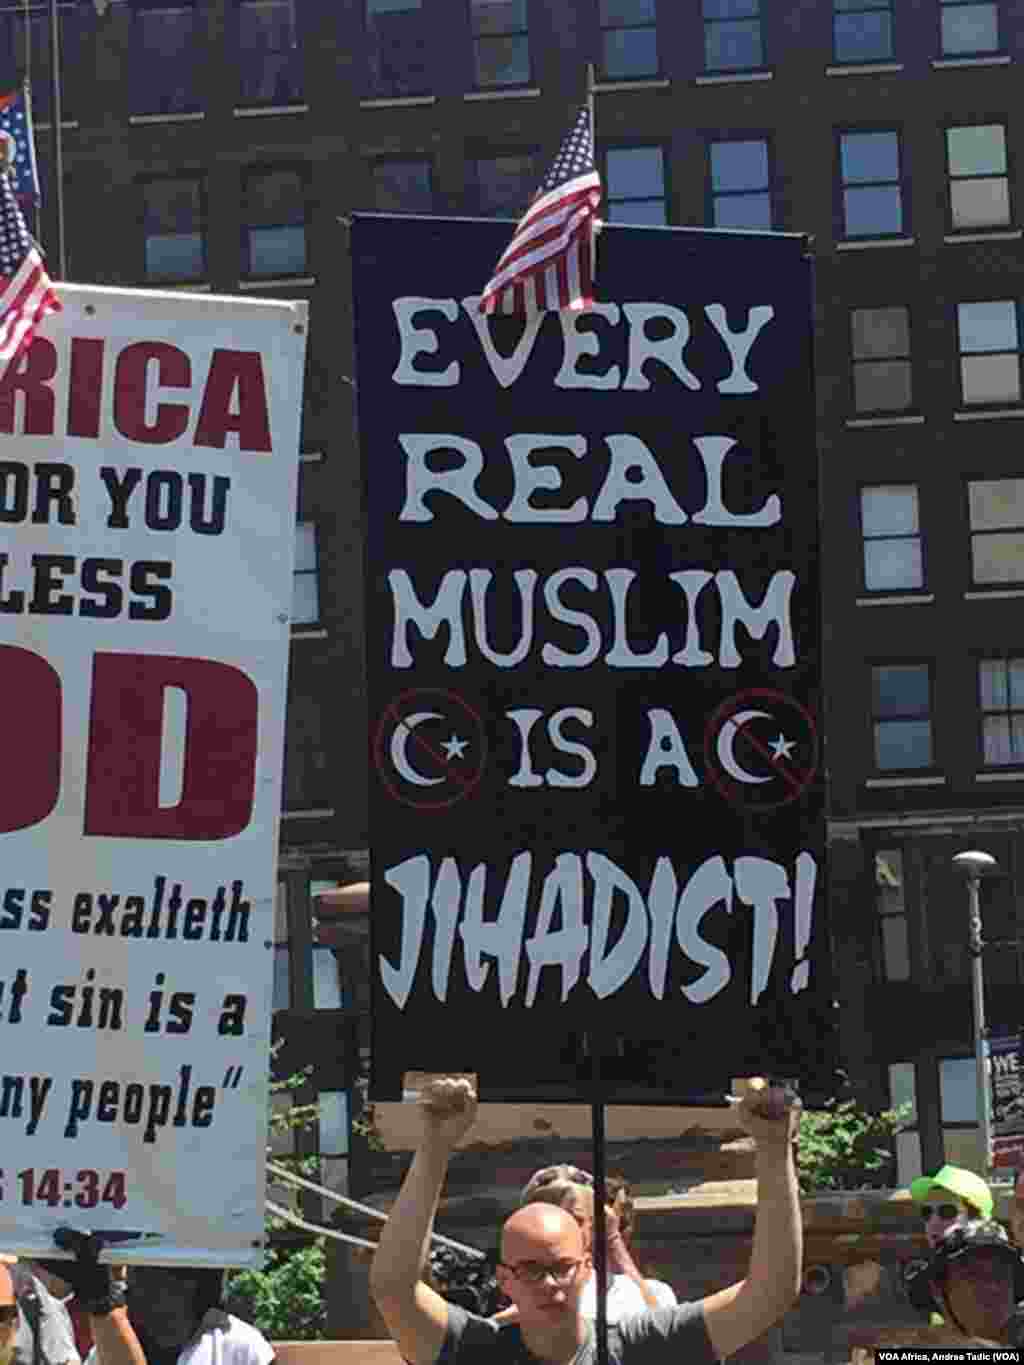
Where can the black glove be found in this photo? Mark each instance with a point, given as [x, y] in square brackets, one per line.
[95, 1288]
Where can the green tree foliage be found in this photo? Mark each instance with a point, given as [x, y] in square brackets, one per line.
[847, 1147]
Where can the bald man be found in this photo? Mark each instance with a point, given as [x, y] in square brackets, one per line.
[545, 1263]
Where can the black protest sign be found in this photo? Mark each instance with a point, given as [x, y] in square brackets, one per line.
[1007, 1100]
[593, 659]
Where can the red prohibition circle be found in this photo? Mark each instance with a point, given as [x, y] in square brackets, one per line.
[434, 699]
[796, 778]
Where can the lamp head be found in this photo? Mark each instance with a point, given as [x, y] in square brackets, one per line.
[975, 863]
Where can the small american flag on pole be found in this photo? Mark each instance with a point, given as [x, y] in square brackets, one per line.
[26, 291]
[549, 263]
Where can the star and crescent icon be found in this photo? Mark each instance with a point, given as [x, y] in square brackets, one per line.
[453, 749]
[430, 749]
[761, 749]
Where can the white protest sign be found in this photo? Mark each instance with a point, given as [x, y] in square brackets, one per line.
[148, 468]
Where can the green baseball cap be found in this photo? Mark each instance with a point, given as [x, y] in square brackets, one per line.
[954, 1180]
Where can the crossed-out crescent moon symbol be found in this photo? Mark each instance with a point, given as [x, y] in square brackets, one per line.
[399, 754]
[725, 747]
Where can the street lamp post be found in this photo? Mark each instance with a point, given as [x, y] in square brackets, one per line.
[975, 864]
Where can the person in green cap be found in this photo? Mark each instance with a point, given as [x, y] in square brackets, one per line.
[949, 1197]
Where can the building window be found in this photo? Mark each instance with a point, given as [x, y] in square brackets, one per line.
[26, 41]
[892, 538]
[305, 584]
[635, 185]
[1001, 692]
[958, 1089]
[629, 38]
[326, 967]
[862, 31]
[307, 783]
[740, 184]
[163, 64]
[505, 184]
[732, 35]
[282, 989]
[901, 714]
[501, 42]
[989, 351]
[996, 508]
[403, 187]
[174, 228]
[891, 906]
[274, 231]
[979, 191]
[880, 343]
[270, 58]
[969, 28]
[872, 192]
[397, 41]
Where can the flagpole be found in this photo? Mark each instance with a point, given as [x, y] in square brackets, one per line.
[58, 149]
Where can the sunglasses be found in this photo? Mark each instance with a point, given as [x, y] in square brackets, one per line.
[944, 1211]
[8, 1313]
[556, 1173]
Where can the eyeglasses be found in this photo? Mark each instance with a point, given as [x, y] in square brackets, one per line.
[551, 1174]
[8, 1313]
[944, 1211]
[532, 1272]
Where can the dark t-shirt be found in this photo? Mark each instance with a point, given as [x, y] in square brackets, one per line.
[666, 1336]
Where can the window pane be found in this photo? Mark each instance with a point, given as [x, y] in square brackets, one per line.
[744, 211]
[895, 948]
[903, 744]
[869, 157]
[171, 205]
[998, 558]
[969, 28]
[305, 599]
[1016, 669]
[333, 1121]
[990, 378]
[996, 503]
[988, 326]
[505, 183]
[992, 678]
[730, 9]
[863, 37]
[277, 251]
[958, 1088]
[873, 211]
[979, 150]
[733, 46]
[627, 11]
[275, 199]
[889, 510]
[635, 172]
[889, 881]
[883, 387]
[271, 71]
[980, 203]
[902, 1085]
[177, 257]
[631, 52]
[739, 165]
[996, 743]
[891, 564]
[326, 983]
[502, 61]
[281, 994]
[397, 47]
[402, 187]
[162, 66]
[645, 211]
[901, 690]
[880, 332]
[498, 16]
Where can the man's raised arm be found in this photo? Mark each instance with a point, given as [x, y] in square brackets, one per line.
[739, 1314]
[416, 1316]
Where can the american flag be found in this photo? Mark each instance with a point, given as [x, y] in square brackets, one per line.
[26, 291]
[16, 121]
[549, 263]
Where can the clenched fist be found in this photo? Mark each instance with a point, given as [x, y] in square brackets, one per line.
[770, 1113]
[448, 1109]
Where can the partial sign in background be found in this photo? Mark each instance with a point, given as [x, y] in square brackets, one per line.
[148, 465]
[593, 657]
[1006, 1077]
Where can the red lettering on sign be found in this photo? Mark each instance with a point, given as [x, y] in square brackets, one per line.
[125, 733]
[85, 387]
[174, 371]
[30, 738]
[229, 369]
[30, 376]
